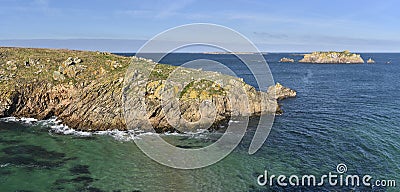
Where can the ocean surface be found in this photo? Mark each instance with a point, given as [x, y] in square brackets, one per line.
[346, 114]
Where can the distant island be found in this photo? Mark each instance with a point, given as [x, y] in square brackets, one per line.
[332, 57]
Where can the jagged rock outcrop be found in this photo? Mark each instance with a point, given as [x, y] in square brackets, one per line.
[332, 57]
[370, 61]
[281, 92]
[91, 100]
[70, 68]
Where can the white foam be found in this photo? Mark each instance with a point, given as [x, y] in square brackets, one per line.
[9, 119]
[231, 121]
[19, 120]
[56, 127]
[65, 130]
[198, 134]
[29, 120]
[119, 135]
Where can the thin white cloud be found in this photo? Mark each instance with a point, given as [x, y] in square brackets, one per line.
[173, 7]
[32, 6]
[160, 10]
[42, 3]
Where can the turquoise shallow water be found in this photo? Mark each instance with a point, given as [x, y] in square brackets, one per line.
[343, 114]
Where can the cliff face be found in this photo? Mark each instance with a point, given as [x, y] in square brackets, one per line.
[85, 91]
[332, 57]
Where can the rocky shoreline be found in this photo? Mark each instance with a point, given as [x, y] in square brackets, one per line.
[85, 90]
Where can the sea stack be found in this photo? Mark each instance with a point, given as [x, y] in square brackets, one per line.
[370, 61]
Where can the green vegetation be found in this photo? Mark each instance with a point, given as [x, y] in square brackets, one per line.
[24, 65]
[161, 72]
[202, 89]
[21, 66]
[197, 89]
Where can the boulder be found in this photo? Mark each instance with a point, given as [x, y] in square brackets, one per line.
[11, 66]
[12, 62]
[286, 60]
[370, 61]
[71, 67]
[115, 64]
[77, 60]
[58, 76]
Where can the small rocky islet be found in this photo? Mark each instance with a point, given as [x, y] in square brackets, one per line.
[330, 57]
[370, 61]
[85, 90]
[345, 57]
[286, 60]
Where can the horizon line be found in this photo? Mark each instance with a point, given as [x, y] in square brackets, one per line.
[137, 43]
[198, 52]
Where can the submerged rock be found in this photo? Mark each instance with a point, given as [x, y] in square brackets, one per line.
[80, 169]
[31, 156]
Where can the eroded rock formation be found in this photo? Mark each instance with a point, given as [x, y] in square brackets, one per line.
[97, 96]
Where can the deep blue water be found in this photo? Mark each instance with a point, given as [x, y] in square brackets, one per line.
[343, 114]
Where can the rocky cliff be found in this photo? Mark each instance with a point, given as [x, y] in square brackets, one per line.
[332, 57]
[86, 90]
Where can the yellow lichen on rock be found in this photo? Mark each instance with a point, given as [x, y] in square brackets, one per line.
[205, 96]
[159, 89]
[176, 89]
[152, 86]
[193, 94]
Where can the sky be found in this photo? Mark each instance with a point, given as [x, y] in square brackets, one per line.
[274, 26]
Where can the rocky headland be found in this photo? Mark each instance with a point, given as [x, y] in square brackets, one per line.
[86, 89]
[286, 60]
[344, 57]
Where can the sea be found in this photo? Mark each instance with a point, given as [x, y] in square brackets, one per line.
[344, 115]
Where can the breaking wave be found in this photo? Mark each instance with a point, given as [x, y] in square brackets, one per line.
[56, 127]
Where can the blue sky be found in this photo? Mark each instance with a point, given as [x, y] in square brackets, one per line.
[298, 25]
